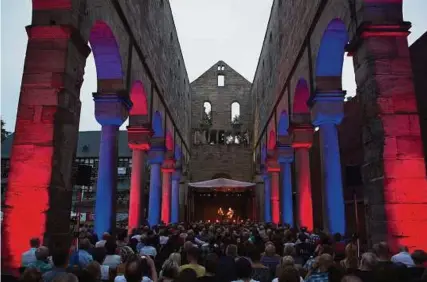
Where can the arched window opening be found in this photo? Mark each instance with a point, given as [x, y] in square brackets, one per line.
[235, 113]
[207, 114]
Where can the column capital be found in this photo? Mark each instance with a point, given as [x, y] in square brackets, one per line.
[369, 29]
[327, 107]
[139, 137]
[168, 165]
[112, 108]
[302, 136]
[285, 154]
[273, 165]
[156, 155]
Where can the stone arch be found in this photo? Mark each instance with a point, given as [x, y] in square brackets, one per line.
[301, 97]
[157, 125]
[271, 144]
[106, 52]
[139, 100]
[169, 142]
[283, 126]
[330, 57]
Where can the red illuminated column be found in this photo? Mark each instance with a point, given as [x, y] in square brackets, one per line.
[302, 138]
[167, 170]
[394, 170]
[274, 169]
[38, 198]
[139, 143]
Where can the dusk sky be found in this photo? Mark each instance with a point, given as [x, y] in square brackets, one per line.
[236, 38]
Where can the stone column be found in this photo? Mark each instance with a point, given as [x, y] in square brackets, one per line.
[267, 197]
[139, 143]
[327, 112]
[302, 138]
[175, 199]
[285, 159]
[38, 196]
[111, 110]
[394, 167]
[274, 169]
[156, 156]
[183, 197]
[167, 170]
[260, 196]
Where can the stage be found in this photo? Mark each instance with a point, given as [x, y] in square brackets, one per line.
[208, 197]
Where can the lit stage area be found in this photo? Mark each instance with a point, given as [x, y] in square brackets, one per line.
[222, 199]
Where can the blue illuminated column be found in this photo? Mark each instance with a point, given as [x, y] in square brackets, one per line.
[285, 158]
[327, 113]
[176, 178]
[111, 110]
[156, 156]
[267, 197]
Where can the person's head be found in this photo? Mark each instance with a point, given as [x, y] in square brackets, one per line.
[65, 277]
[243, 269]
[170, 269]
[125, 252]
[382, 251]
[31, 274]
[326, 249]
[287, 261]
[289, 250]
[351, 278]
[98, 254]
[106, 236]
[94, 268]
[289, 274]
[42, 253]
[211, 263]
[419, 257]
[231, 251]
[84, 244]
[188, 245]
[176, 257]
[187, 275]
[193, 254]
[134, 269]
[337, 237]
[254, 254]
[324, 261]
[111, 246]
[368, 262]
[270, 250]
[34, 242]
[60, 257]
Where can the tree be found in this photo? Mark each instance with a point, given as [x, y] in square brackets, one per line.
[4, 132]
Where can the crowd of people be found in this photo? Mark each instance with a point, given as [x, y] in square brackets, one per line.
[220, 252]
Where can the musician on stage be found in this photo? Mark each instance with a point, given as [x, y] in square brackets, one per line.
[221, 213]
[230, 213]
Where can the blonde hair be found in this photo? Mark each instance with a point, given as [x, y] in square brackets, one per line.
[176, 257]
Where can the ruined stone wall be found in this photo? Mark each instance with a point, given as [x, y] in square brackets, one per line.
[233, 159]
[210, 160]
[419, 69]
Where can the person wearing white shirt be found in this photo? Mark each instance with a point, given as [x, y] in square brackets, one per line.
[29, 256]
[403, 257]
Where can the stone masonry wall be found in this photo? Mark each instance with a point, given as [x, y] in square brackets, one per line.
[234, 159]
[209, 160]
[419, 69]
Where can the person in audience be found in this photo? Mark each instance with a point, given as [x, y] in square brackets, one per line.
[42, 263]
[270, 259]
[102, 242]
[387, 270]
[60, 257]
[366, 271]
[187, 275]
[259, 271]
[211, 265]
[350, 263]
[320, 269]
[112, 259]
[244, 271]
[192, 257]
[288, 274]
[419, 258]
[403, 257]
[30, 255]
[31, 274]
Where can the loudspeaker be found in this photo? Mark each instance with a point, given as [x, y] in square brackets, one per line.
[83, 174]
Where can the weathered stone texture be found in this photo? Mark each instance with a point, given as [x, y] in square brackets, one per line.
[209, 160]
[205, 89]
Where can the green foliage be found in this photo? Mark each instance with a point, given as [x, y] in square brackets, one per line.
[4, 132]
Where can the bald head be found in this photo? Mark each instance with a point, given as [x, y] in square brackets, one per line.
[368, 262]
[270, 250]
[42, 253]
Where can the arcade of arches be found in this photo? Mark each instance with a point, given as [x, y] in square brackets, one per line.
[297, 87]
